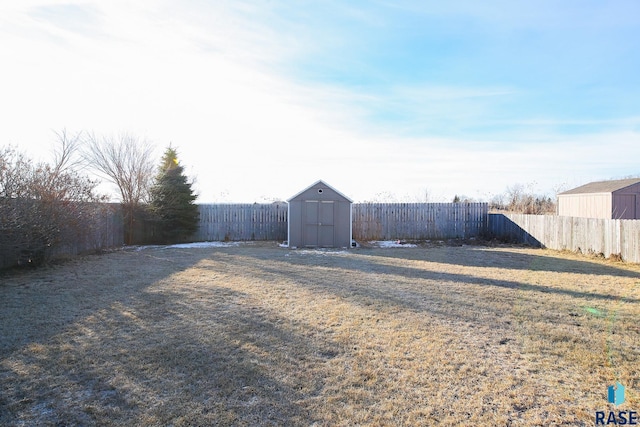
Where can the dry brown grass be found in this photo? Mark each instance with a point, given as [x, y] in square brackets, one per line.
[262, 335]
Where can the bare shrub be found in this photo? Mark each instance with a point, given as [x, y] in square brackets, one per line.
[43, 205]
[522, 199]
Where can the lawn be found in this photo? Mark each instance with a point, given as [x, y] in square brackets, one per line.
[256, 334]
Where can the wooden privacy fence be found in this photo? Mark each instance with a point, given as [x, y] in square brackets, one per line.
[371, 221]
[104, 230]
[608, 237]
[419, 221]
[224, 222]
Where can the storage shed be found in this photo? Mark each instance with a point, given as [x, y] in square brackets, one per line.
[319, 216]
[619, 199]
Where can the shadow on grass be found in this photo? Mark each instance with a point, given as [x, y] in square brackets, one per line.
[490, 257]
[42, 302]
[129, 355]
[366, 262]
[147, 350]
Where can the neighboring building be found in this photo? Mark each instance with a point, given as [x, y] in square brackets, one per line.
[319, 216]
[619, 199]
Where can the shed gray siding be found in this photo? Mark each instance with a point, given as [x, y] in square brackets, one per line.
[618, 199]
[319, 216]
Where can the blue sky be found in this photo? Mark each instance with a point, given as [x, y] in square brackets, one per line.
[381, 99]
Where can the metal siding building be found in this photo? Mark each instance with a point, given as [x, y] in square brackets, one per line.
[619, 199]
[319, 216]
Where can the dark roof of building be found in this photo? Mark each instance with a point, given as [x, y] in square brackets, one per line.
[603, 186]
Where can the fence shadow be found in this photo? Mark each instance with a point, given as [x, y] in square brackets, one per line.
[503, 228]
[129, 354]
[537, 262]
[57, 295]
[163, 341]
[488, 256]
[369, 261]
[164, 370]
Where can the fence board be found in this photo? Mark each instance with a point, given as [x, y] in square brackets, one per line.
[237, 222]
[619, 237]
[418, 221]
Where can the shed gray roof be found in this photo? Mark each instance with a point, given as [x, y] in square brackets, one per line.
[603, 186]
[321, 182]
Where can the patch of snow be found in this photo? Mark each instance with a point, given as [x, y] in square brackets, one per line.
[188, 245]
[321, 251]
[204, 245]
[392, 244]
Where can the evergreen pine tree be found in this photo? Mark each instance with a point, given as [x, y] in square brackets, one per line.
[172, 200]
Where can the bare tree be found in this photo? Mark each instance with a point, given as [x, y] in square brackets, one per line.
[66, 153]
[127, 162]
[516, 198]
[497, 202]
